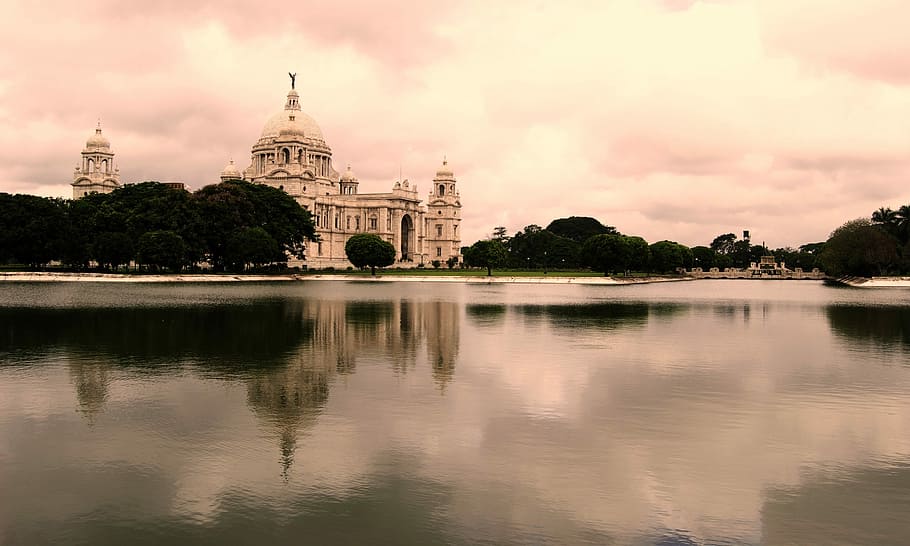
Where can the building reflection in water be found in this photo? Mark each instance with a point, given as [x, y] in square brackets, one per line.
[91, 381]
[291, 398]
[288, 351]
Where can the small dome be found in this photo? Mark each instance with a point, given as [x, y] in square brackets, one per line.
[230, 171]
[445, 172]
[348, 175]
[97, 140]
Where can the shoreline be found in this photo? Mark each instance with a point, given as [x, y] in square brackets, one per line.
[873, 282]
[42, 276]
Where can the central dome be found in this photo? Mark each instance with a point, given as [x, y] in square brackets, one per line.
[292, 121]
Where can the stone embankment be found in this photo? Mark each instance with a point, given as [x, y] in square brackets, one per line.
[121, 278]
[872, 282]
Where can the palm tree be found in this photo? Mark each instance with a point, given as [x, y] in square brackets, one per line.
[902, 222]
[884, 216]
[890, 220]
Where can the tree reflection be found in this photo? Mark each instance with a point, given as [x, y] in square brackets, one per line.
[601, 316]
[231, 338]
[879, 326]
[861, 506]
[486, 314]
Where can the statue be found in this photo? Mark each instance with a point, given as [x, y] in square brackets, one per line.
[293, 77]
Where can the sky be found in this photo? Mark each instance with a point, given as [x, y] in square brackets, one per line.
[668, 119]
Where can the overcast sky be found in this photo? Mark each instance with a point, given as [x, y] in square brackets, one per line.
[673, 119]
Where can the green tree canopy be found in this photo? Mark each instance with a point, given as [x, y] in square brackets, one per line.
[251, 246]
[228, 208]
[488, 253]
[859, 248]
[32, 229]
[606, 253]
[369, 250]
[723, 244]
[112, 249]
[667, 256]
[163, 249]
[539, 248]
[579, 228]
[704, 257]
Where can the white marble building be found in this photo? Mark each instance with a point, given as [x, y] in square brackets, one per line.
[96, 173]
[292, 155]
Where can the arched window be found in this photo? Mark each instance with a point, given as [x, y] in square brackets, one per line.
[285, 155]
[442, 189]
[91, 165]
[104, 165]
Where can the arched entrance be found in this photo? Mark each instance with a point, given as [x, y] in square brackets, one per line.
[407, 230]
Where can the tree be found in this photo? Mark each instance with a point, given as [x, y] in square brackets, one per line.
[162, 249]
[252, 246]
[488, 254]
[703, 257]
[369, 250]
[667, 256]
[723, 244]
[227, 208]
[499, 234]
[902, 219]
[32, 229]
[859, 248]
[536, 248]
[113, 249]
[607, 253]
[579, 228]
[638, 254]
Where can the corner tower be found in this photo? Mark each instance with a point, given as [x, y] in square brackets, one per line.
[443, 217]
[97, 173]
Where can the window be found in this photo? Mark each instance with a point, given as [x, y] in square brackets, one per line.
[285, 155]
[438, 251]
[357, 223]
[388, 222]
[438, 230]
[373, 223]
[442, 189]
[347, 224]
[319, 248]
[337, 222]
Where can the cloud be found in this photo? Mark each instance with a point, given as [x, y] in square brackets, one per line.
[612, 110]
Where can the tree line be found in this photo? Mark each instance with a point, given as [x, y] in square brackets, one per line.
[872, 246]
[230, 226]
[583, 242]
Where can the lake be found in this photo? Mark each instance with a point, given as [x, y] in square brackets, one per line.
[321, 412]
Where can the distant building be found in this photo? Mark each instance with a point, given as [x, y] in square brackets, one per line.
[96, 173]
[292, 155]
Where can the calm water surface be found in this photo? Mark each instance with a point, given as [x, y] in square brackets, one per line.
[709, 412]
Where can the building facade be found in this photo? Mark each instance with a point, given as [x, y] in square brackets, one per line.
[96, 173]
[291, 154]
